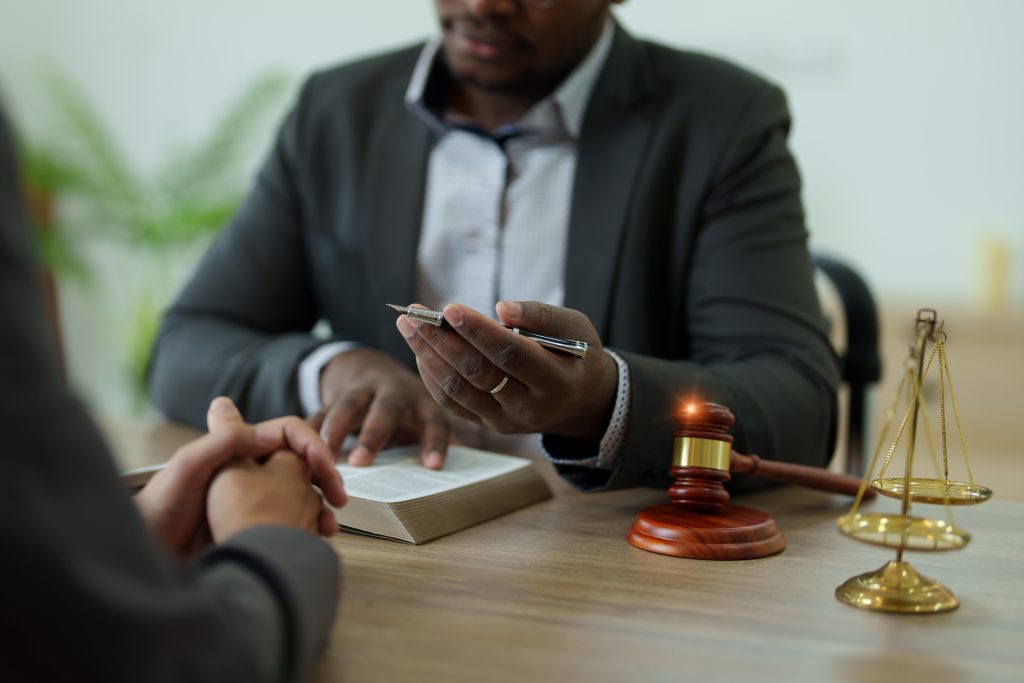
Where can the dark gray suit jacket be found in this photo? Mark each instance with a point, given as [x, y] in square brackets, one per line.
[687, 250]
[85, 594]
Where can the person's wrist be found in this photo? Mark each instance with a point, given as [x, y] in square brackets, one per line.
[311, 370]
[332, 376]
[256, 520]
[596, 406]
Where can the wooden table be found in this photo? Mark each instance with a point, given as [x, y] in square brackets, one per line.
[554, 593]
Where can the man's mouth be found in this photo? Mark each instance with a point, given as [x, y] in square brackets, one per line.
[481, 42]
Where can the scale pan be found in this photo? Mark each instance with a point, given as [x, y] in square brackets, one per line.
[937, 491]
[895, 531]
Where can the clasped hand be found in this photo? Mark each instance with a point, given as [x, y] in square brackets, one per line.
[239, 476]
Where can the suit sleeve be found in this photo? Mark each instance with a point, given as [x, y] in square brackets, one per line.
[240, 327]
[85, 591]
[755, 334]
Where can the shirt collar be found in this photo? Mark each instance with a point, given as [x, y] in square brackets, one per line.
[569, 99]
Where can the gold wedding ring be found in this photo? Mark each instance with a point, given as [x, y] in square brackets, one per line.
[501, 385]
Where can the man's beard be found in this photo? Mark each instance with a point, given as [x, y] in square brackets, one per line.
[487, 31]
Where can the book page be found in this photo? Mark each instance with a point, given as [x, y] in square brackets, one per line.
[397, 474]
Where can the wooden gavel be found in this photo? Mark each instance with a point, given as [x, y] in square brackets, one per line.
[700, 522]
[800, 475]
[704, 460]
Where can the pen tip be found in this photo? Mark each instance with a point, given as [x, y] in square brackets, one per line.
[400, 309]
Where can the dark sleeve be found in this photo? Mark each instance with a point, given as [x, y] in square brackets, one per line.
[756, 338]
[85, 591]
[241, 326]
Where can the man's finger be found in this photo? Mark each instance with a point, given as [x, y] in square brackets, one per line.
[328, 523]
[471, 368]
[436, 432]
[381, 421]
[228, 436]
[344, 415]
[292, 433]
[546, 319]
[512, 354]
[452, 362]
[200, 458]
[298, 436]
[222, 413]
[288, 464]
[316, 420]
[433, 372]
[440, 398]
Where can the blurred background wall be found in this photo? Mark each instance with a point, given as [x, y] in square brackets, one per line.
[907, 123]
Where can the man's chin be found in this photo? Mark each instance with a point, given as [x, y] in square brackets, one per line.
[491, 78]
[504, 86]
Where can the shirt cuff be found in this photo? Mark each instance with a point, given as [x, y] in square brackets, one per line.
[609, 448]
[309, 373]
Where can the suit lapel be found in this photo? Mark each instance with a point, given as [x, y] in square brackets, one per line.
[612, 144]
[395, 184]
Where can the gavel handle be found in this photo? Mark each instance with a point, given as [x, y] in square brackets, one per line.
[801, 475]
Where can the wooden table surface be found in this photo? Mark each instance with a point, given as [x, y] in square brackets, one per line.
[554, 593]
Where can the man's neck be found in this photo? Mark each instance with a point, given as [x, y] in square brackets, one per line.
[491, 110]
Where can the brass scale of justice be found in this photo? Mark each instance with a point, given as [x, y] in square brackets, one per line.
[700, 522]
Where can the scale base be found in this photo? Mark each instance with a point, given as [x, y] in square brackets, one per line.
[733, 532]
[897, 587]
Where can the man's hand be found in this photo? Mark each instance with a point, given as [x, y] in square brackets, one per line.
[545, 391]
[174, 502]
[247, 494]
[368, 391]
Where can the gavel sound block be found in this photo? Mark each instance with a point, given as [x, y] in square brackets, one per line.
[700, 523]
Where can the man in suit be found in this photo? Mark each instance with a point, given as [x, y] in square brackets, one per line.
[96, 588]
[598, 187]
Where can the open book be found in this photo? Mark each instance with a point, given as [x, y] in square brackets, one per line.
[398, 498]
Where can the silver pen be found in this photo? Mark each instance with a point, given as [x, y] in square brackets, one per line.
[436, 318]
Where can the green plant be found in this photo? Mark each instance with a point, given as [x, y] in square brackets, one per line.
[85, 190]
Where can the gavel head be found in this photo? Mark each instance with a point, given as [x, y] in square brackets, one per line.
[700, 462]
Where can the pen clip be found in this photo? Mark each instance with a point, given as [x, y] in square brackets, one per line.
[569, 346]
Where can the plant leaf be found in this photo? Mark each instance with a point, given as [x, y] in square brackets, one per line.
[101, 166]
[212, 168]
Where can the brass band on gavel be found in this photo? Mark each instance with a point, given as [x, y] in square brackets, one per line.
[693, 451]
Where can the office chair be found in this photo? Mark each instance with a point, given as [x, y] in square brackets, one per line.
[854, 331]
